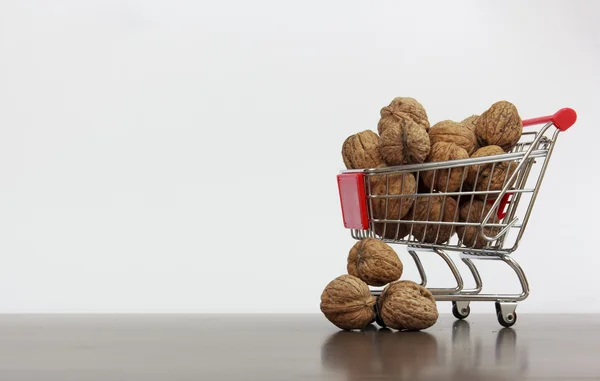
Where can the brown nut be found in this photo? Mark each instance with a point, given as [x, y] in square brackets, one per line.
[408, 306]
[347, 303]
[361, 150]
[499, 125]
[392, 208]
[452, 132]
[444, 151]
[434, 209]
[404, 142]
[374, 262]
[482, 173]
[403, 107]
[470, 123]
[475, 211]
[393, 231]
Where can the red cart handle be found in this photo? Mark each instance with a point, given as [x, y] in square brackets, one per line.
[562, 119]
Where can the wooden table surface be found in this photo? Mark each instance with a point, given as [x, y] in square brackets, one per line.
[294, 347]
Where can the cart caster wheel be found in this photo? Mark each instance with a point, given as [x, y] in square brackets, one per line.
[506, 314]
[461, 310]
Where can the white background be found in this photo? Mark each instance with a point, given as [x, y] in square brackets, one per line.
[180, 156]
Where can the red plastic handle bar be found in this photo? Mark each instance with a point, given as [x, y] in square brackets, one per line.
[562, 119]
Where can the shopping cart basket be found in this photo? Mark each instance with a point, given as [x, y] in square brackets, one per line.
[505, 187]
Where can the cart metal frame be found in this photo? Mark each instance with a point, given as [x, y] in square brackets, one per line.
[498, 232]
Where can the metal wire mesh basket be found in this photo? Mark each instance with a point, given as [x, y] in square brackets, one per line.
[478, 207]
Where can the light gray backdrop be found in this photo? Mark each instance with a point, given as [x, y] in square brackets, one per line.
[180, 156]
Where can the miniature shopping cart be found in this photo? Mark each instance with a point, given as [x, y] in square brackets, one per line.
[498, 229]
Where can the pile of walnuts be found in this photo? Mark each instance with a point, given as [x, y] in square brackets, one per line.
[405, 136]
[348, 303]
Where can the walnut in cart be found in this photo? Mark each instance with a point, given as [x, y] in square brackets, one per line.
[404, 142]
[392, 208]
[361, 150]
[452, 132]
[347, 303]
[393, 231]
[475, 211]
[490, 176]
[374, 262]
[403, 107]
[470, 123]
[445, 180]
[435, 209]
[499, 125]
[408, 306]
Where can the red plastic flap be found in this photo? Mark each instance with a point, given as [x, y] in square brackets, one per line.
[353, 200]
[503, 204]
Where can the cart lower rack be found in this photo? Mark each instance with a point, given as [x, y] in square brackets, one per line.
[490, 211]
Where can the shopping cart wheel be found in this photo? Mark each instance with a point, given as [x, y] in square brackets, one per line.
[460, 310]
[506, 314]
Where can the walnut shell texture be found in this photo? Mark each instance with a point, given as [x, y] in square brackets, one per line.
[374, 262]
[452, 132]
[499, 125]
[470, 123]
[433, 208]
[403, 107]
[393, 231]
[404, 142]
[445, 181]
[397, 207]
[361, 150]
[347, 303]
[470, 236]
[407, 306]
[482, 173]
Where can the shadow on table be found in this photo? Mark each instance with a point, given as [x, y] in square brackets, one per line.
[387, 354]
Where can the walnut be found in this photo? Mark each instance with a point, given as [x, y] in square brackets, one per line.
[470, 122]
[347, 303]
[482, 173]
[452, 132]
[408, 306]
[392, 208]
[361, 150]
[374, 262]
[475, 211]
[393, 231]
[404, 142]
[429, 208]
[499, 125]
[403, 107]
[445, 180]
